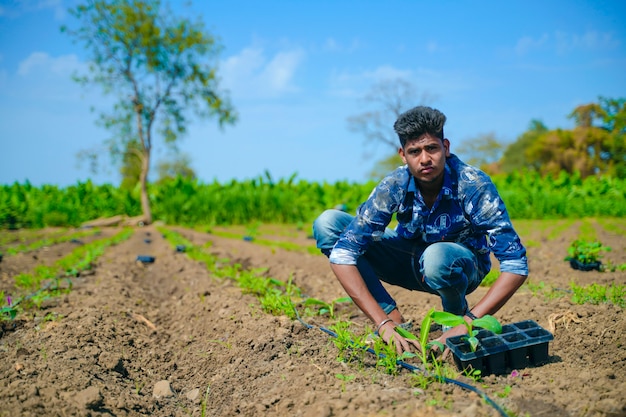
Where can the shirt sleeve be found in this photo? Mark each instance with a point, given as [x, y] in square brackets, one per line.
[372, 217]
[489, 216]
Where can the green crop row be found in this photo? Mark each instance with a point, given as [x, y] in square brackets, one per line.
[80, 259]
[191, 202]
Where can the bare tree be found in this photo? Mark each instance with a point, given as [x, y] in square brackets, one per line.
[386, 100]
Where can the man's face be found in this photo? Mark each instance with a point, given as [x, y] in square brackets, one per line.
[426, 158]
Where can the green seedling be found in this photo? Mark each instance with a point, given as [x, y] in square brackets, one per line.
[326, 308]
[344, 378]
[425, 345]
[586, 252]
[388, 356]
[599, 294]
[351, 347]
[486, 322]
[9, 311]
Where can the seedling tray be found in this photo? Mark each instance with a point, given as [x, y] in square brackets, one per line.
[576, 264]
[145, 259]
[519, 345]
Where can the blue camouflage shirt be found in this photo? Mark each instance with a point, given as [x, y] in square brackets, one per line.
[468, 211]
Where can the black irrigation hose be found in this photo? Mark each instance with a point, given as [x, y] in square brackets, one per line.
[416, 369]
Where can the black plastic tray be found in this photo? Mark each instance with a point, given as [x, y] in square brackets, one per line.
[519, 345]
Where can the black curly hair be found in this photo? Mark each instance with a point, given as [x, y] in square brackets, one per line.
[417, 121]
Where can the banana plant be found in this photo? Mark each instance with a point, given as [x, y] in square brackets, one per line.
[486, 322]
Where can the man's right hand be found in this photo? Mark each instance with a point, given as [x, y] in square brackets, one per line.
[388, 333]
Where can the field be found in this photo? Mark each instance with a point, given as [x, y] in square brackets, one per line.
[183, 337]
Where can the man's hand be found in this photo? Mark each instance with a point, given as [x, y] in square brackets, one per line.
[455, 331]
[388, 333]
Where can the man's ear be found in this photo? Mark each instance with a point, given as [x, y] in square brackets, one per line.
[446, 146]
[401, 153]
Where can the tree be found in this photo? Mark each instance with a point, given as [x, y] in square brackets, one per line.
[483, 151]
[159, 67]
[130, 168]
[177, 166]
[515, 155]
[389, 98]
[595, 145]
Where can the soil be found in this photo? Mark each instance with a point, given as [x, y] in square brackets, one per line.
[170, 339]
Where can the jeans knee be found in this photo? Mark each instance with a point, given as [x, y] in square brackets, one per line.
[328, 227]
[446, 264]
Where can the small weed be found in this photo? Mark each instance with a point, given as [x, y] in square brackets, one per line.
[351, 347]
[505, 392]
[139, 386]
[205, 400]
[473, 374]
[598, 294]
[387, 356]
[326, 308]
[344, 378]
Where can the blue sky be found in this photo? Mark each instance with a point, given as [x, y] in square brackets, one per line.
[296, 70]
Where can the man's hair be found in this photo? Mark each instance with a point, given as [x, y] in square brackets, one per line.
[417, 121]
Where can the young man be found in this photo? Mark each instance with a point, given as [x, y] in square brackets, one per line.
[450, 217]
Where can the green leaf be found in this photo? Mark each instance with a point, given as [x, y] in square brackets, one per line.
[426, 327]
[488, 322]
[447, 319]
[407, 355]
[315, 301]
[473, 343]
[437, 343]
[405, 333]
[343, 300]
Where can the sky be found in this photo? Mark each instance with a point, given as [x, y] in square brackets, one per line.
[295, 71]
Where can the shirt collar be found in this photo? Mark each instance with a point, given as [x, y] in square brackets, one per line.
[446, 189]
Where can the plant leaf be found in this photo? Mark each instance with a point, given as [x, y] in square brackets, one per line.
[315, 301]
[447, 319]
[426, 327]
[473, 343]
[488, 322]
[437, 343]
[405, 333]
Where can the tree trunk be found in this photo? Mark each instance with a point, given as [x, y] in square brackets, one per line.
[143, 180]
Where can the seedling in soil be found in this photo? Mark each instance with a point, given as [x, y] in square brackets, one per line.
[344, 378]
[327, 307]
[425, 345]
[486, 322]
[351, 347]
[388, 356]
[9, 311]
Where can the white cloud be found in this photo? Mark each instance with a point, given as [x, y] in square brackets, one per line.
[566, 42]
[353, 84]
[253, 74]
[42, 63]
[528, 43]
[563, 42]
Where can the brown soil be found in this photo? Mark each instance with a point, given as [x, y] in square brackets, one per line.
[169, 339]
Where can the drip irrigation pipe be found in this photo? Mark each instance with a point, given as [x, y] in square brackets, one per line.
[413, 368]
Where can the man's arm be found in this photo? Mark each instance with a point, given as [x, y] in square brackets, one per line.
[352, 281]
[500, 292]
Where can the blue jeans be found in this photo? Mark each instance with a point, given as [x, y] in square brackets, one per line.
[446, 269]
